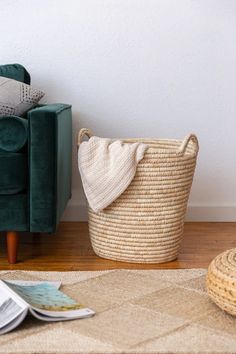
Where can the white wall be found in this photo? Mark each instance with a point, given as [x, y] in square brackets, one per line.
[153, 68]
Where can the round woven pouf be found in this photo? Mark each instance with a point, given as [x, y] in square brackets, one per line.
[221, 281]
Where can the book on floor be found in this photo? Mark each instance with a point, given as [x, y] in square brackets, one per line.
[42, 300]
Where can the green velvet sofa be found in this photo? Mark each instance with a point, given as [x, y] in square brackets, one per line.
[35, 167]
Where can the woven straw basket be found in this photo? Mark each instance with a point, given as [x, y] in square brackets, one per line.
[221, 281]
[145, 224]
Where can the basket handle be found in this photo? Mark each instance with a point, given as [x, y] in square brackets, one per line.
[82, 133]
[185, 142]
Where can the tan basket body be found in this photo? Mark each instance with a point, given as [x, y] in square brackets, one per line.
[145, 224]
[221, 281]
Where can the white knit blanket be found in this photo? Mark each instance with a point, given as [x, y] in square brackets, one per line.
[107, 167]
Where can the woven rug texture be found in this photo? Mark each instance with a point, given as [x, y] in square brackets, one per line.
[138, 311]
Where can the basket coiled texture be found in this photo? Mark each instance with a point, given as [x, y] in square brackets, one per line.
[145, 224]
[221, 281]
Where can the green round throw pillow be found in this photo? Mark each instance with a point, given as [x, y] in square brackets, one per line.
[13, 133]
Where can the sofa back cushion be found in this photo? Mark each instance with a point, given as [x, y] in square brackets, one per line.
[16, 72]
[13, 133]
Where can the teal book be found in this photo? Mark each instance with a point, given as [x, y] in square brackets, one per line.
[43, 300]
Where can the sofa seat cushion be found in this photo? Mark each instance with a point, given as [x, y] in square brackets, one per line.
[13, 172]
[13, 133]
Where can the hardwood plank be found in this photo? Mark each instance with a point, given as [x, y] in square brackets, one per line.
[70, 249]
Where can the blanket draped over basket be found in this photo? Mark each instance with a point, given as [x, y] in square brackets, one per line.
[145, 223]
[107, 167]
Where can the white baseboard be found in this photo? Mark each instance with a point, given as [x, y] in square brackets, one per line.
[78, 212]
[211, 213]
[75, 212]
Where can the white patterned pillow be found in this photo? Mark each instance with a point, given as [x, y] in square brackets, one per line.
[16, 98]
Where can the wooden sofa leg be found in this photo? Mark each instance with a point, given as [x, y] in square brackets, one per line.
[12, 246]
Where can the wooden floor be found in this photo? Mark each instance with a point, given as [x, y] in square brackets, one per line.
[70, 249]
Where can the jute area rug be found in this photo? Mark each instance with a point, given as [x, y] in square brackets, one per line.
[152, 311]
